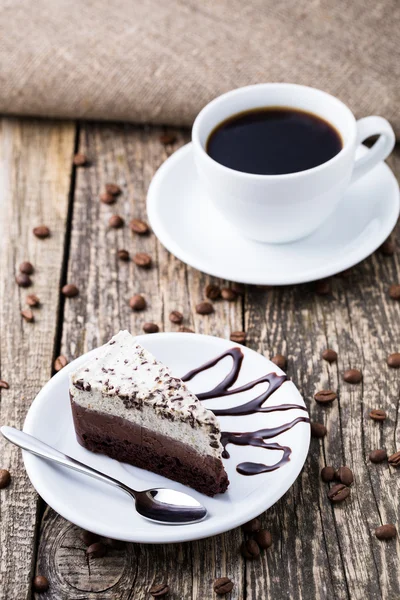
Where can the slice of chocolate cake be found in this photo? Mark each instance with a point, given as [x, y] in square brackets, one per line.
[128, 405]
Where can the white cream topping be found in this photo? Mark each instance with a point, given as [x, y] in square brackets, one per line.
[125, 380]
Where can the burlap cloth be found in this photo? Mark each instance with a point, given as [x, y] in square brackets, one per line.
[162, 60]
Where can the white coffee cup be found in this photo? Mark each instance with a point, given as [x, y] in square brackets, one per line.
[283, 208]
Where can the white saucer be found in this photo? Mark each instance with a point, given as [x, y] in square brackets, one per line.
[191, 228]
[108, 511]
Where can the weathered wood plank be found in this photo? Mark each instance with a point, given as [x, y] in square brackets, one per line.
[35, 170]
[69, 571]
[129, 156]
[322, 551]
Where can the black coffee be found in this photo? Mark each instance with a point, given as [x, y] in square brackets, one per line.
[273, 141]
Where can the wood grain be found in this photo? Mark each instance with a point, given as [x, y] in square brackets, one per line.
[35, 170]
[129, 157]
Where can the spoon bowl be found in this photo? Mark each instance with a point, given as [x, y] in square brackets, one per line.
[163, 505]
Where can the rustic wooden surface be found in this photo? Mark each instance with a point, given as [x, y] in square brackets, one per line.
[318, 551]
[35, 168]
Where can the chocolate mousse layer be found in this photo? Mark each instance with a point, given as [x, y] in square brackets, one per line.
[128, 442]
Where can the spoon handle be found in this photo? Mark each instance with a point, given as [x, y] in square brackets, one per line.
[35, 446]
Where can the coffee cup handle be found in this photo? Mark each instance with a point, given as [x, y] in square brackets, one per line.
[379, 151]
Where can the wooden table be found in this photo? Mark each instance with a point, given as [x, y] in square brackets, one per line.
[319, 551]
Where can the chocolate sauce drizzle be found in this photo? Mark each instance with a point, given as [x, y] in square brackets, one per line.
[222, 388]
[255, 438]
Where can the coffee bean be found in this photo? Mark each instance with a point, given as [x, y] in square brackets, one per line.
[345, 273]
[143, 260]
[96, 550]
[116, 544]
[393, 360]
[150, 328]
[176, 317]
[394, 292]
[116, 222]
[40, 584]
[27, 314]
[213, 292]
[60, 363]
[223, 585]
[325, 396]
[327, 474]
[378, 456]
[4, 385]
[263, 539]
[139, 226]
[137, 302]
[250, 549]
[107, 198]
[184, 329]
[41, 232]
[329, 355]
[228, 294]
[386, 532]
[159, 590]
[167, 138]
[80, 160]
[239, 288]
[70, 290]
[204, 308]
[123, 255]
[377, 414]
[318, 430]
[264, 287]
[23, 280]
[338, 493]
[280, 361]
[26, 267]
[394, 459]
[239, 337]
[344, 475]
[113, 189]
[252, 526]
[388, 248]
[89, 538]
[352, 376]
[32, 300]
[323, 287]
[5, 478]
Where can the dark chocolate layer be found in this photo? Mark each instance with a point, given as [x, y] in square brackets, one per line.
[126, 442]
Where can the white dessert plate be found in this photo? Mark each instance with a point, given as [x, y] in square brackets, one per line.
[110, 512]
[189, 226]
